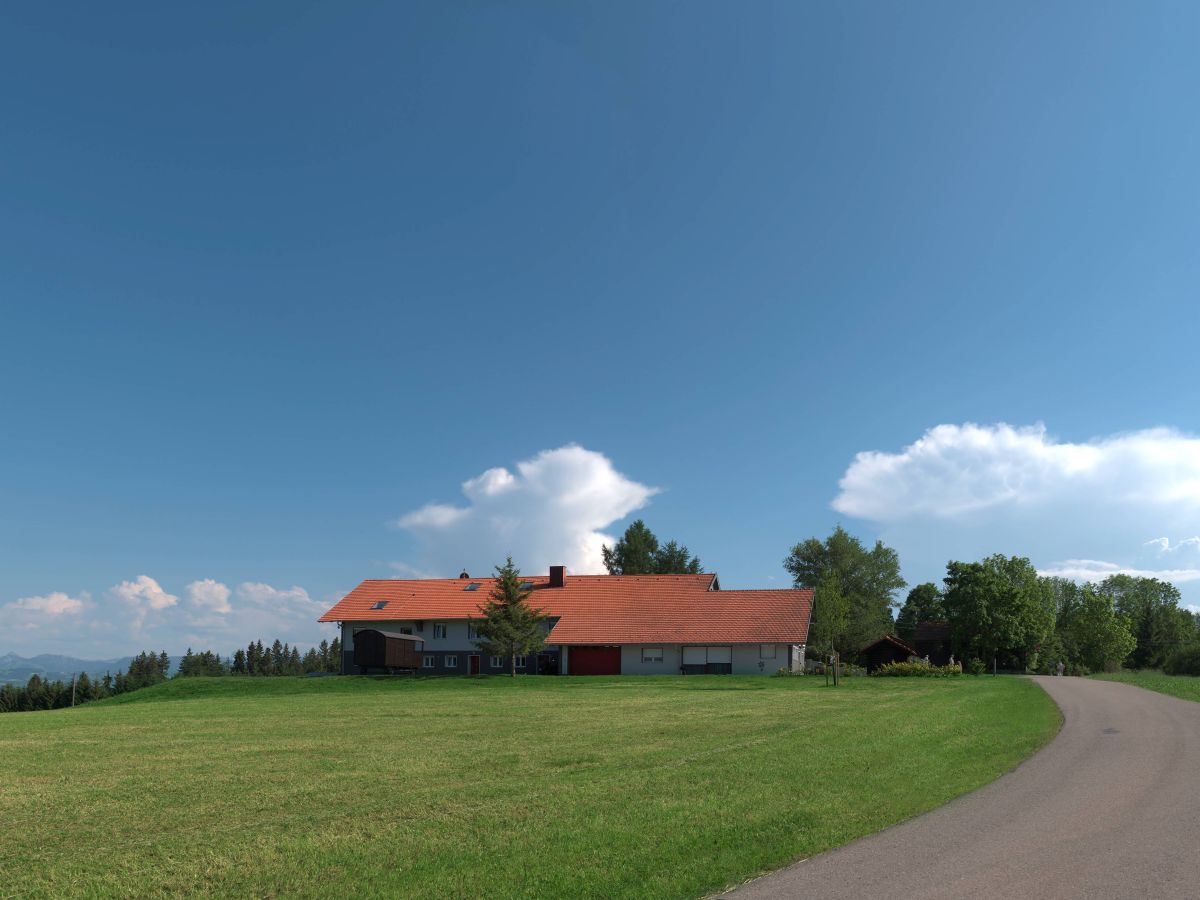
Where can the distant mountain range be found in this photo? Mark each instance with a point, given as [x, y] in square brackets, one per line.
[17, 669]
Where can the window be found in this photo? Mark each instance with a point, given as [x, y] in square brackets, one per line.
[652, 654]
[439, 630]
[473, 586]
[379, 604]
[766, 651]
[471, 632]
[406, 631]
[430, 662]
[520, 662]
[496, 662]
[527, 585]
[710, 660]
[451, 662]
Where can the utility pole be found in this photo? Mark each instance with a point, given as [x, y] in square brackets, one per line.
[72, 690]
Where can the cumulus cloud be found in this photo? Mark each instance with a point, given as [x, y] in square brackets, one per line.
[209, 595]
[54, 604]
[954, 470]
[144, 591]
[52, 616]
[1126, 502]
[551, 510]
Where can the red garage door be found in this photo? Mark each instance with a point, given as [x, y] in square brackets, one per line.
[594, 660]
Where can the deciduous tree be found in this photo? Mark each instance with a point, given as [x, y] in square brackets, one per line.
[923, 604]
[998, 604]
[867, 579]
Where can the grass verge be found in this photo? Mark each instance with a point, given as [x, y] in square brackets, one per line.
[598, 787]
[1186, 687]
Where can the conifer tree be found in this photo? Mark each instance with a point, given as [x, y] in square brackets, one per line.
[510, 626]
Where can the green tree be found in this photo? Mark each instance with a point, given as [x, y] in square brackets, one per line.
[675, 559]
[639, 553]
[634, 553]
[510, 626]
[830, 629]
[923, 604]
[999, 604]
[1089, 630]
[867, 579]
[1151, 610]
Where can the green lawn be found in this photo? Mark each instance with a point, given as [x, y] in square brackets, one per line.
[546, 787]
[1185, 686]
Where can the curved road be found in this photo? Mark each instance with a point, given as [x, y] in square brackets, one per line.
[1109, 808]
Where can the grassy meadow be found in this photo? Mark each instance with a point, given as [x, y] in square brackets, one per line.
[497, 787]
[1186, 687]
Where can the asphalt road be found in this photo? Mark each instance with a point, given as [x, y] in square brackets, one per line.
[1109, 808]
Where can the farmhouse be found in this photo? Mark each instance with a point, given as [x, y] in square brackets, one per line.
[597, 625]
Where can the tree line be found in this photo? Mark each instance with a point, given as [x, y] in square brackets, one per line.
[998, 609]
[148, 668]
[144, 670]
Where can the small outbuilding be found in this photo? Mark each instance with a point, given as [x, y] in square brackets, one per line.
[388, 650]
[887, 649]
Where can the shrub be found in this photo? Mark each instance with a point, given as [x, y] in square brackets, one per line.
[977, 667]
[1183, 662]
[915, 670]
[784, 672]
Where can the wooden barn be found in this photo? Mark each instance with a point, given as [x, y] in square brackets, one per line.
[887, 649]
[387, 650]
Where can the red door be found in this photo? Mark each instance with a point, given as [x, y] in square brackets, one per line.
[594, 660]
[472, 665]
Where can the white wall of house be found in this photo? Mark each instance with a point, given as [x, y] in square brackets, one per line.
[636, 659]
[456, 633]
[759, 659]
[641, 659]
[458, 637]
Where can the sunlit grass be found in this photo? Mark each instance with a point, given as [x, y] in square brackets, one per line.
[1187, 687]
[546, 787]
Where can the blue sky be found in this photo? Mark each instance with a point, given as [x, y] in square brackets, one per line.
[278, 281]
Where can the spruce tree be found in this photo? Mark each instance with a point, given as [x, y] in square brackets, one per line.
[510, 626]
[638, 553]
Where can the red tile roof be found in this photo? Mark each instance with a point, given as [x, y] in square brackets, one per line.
[603, 609]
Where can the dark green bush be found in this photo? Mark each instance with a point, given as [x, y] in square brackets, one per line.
[976, 667]
[1183, 662]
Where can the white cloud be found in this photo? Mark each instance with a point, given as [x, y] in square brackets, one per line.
[141, 615]
[282, 600]
[144, 591]
[1126, 502]
[209, 595]
[54, 604]
[1098, 570]
[549, 511]
[954, 470]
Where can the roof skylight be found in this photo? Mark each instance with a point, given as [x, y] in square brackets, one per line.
[379, 604]
[473, 586]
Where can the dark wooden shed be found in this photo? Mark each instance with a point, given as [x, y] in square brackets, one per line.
[374, 649]
[885, 650]
[932, 639]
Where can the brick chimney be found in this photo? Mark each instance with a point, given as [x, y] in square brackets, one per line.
[558, 576]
